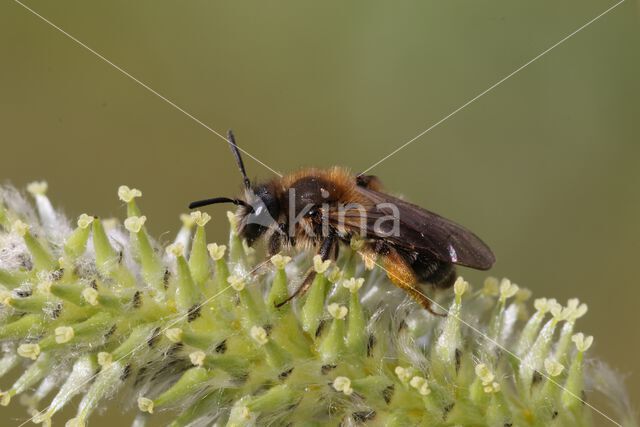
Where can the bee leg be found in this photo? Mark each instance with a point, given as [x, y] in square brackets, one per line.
[302, 289]
[336, 252]
[371, 182]
[274, 245]
[403, 276]
[325, 251]
[422, 300]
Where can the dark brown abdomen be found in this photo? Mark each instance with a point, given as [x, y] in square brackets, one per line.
[441, 274]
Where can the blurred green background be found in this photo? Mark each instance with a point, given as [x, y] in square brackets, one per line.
[545, 167]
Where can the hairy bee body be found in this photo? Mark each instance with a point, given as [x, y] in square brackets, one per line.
[325, 208]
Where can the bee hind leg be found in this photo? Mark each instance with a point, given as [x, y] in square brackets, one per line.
[423, 300]
[403, 276]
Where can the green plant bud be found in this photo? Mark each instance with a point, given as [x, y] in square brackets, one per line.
[191, 380]
[279, 290]
[253, 311]
[449, 342]
[32, 304]
[187, 294]
[8, 362]
[4, 220]
[332, 346]
[152, 270]
[91, 329]
[12, 279]
[129, 196]
[81, 373]
[234, 365]
[22, 327]
[571, 394]
[534, 359]
[199, 256]
[76, 243]
[202, 340]
[41, 256]
[237, 256]
[313, 308]
[212, 347]
[106, 383]
[275, 355]
[199, 409]
[221, 290]
[276, 398]
[356, 342]
[71, 292]
[106, 256]
[34, 373]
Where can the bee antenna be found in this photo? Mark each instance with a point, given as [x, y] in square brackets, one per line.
[236, 153]
[216, 200]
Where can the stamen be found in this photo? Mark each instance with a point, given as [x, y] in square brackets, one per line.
[127, 194]
[259, 335]
[337, 311]
[216, 251]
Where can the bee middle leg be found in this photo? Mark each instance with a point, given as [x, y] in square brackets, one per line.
[326, 250]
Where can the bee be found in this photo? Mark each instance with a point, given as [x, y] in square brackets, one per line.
[325, 208]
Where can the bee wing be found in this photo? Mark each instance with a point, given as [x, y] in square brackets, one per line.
[419, 231]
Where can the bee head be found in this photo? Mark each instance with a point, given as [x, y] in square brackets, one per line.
[258, 213]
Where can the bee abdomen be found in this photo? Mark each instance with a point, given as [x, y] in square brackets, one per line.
[439, 273]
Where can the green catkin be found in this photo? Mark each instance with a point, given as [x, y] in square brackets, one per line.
[198, 338]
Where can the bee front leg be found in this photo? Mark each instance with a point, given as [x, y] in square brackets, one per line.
[325, 251]
[275, 244]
